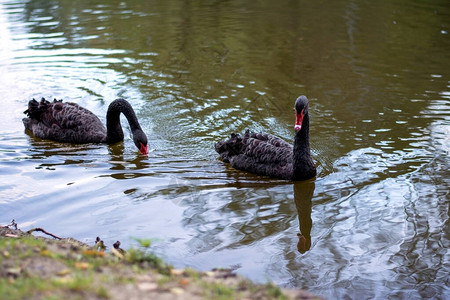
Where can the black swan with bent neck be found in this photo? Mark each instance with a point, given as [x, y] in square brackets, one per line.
[267, 155]
[68, 122]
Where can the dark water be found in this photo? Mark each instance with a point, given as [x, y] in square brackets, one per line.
[374, 223]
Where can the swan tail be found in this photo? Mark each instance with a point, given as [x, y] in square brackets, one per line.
[36, 110]
[231, 147]
[34, 113]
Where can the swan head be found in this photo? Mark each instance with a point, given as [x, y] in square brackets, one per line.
[301, 109]
[141, 142]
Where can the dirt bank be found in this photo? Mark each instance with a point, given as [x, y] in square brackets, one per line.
[53, 268]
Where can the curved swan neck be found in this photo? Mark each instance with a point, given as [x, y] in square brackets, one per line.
[301, 140]
[114, 132]
[303, 166]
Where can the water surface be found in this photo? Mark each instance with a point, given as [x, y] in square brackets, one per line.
[373, 224]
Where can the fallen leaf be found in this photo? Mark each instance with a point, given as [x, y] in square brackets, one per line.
[177, 271]
[63, 280]
[13, 272]
[12, 235]
[94, 253]
[210, 274]
[45, 252]
[117, 253]
[177, 291]
[63, 272]
[82, 265]
[147, 286]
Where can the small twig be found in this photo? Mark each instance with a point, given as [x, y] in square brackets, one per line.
[44, 231]
[13, 224]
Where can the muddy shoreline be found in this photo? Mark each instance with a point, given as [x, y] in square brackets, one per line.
[37, 267]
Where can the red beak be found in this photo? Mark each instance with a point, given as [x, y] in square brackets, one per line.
[144, 149]
[298, 121]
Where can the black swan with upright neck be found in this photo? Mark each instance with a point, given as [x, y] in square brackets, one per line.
[70, 123]
[265, 154]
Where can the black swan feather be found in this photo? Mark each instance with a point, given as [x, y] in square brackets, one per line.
[268, 155]
[70, 123]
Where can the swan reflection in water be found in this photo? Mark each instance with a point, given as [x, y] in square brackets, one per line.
[52, 154]
[303, 193]
[121, 161]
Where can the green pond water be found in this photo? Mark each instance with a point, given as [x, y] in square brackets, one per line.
[375, 221]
